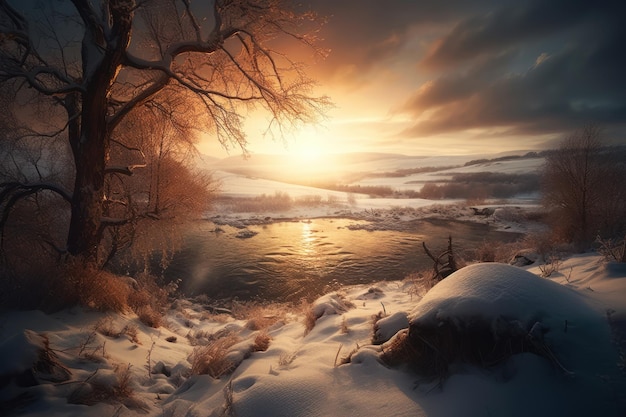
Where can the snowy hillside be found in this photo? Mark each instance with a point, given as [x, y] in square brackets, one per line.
[320, 361]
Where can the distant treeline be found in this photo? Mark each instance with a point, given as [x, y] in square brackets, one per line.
[481, 185]
[508, 158]
[614, 154]
[370, 190]
[461, 186]
[405, 172]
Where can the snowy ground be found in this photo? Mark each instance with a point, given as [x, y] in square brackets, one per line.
[148, 371]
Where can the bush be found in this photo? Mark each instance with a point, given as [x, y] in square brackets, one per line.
[77, 283]
[212, 359]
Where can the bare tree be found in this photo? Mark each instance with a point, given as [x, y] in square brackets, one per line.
[585, 191]
[97, 61]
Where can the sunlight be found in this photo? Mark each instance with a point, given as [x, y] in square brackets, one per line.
[307, 239]
[308, 144]
[308, 158]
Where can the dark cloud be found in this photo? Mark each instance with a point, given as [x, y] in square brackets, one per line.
[533, 67]
[507, 26]
[365, 33]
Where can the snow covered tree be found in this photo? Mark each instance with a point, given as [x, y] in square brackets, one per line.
[88, 64]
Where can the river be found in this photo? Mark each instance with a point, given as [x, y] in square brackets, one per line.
[291, 260]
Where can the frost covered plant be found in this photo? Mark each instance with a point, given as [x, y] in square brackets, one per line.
[612, 249]
[108, 387]
[551, 266]
[212, 359]
[286, 359]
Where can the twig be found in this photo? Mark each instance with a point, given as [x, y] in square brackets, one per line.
[149, 359]
[337, 355]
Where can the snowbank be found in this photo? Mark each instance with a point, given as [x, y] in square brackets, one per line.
[334, 369]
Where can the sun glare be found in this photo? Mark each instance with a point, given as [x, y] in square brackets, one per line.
[308, 157]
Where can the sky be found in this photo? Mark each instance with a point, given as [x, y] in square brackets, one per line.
[423, 77]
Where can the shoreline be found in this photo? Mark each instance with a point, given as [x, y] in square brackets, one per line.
[506, 217]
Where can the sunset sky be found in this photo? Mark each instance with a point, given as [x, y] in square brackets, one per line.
[426, 77]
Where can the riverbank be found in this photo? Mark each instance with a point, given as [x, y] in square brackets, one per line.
[312, 360]
[517, 216]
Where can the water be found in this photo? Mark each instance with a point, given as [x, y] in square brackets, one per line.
[286, 261]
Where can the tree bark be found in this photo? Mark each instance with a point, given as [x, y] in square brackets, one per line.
[90, 143]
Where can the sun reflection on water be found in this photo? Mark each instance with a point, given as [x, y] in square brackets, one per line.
[308, 239]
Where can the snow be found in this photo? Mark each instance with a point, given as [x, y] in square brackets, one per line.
[334, 368]
[383, 211]
[494, 290]
[309, 374]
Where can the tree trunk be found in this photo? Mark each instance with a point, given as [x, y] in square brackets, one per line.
[90, 152]
[101, 59]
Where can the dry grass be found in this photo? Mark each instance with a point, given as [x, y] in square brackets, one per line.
[212, 359]
[347, 358]
[261, 342]
[260, 316]
[148, 316]
[149, 300]
[96, 390]
[310, 319]
[419, 283]
[286, 359]
[344, 326]
[106, 327]
[84, 284]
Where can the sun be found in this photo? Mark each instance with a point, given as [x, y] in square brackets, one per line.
[308, 157]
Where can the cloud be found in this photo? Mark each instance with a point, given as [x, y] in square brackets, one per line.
[535, 67]
[452, 68]
[508, 26]
[364, 34]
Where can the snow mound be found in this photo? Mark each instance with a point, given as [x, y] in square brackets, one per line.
[502, 300]
[330, 304]
[520, 328]
[387, 327]
[27, 358]
[492, 290]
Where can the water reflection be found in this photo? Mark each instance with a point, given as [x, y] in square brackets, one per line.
[307, 239]
[291, 260]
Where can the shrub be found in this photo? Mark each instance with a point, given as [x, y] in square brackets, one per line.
[212, 359]
[149, 300]
[612, 249]
[77, 283]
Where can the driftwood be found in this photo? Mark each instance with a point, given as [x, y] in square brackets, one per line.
[444, 264]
